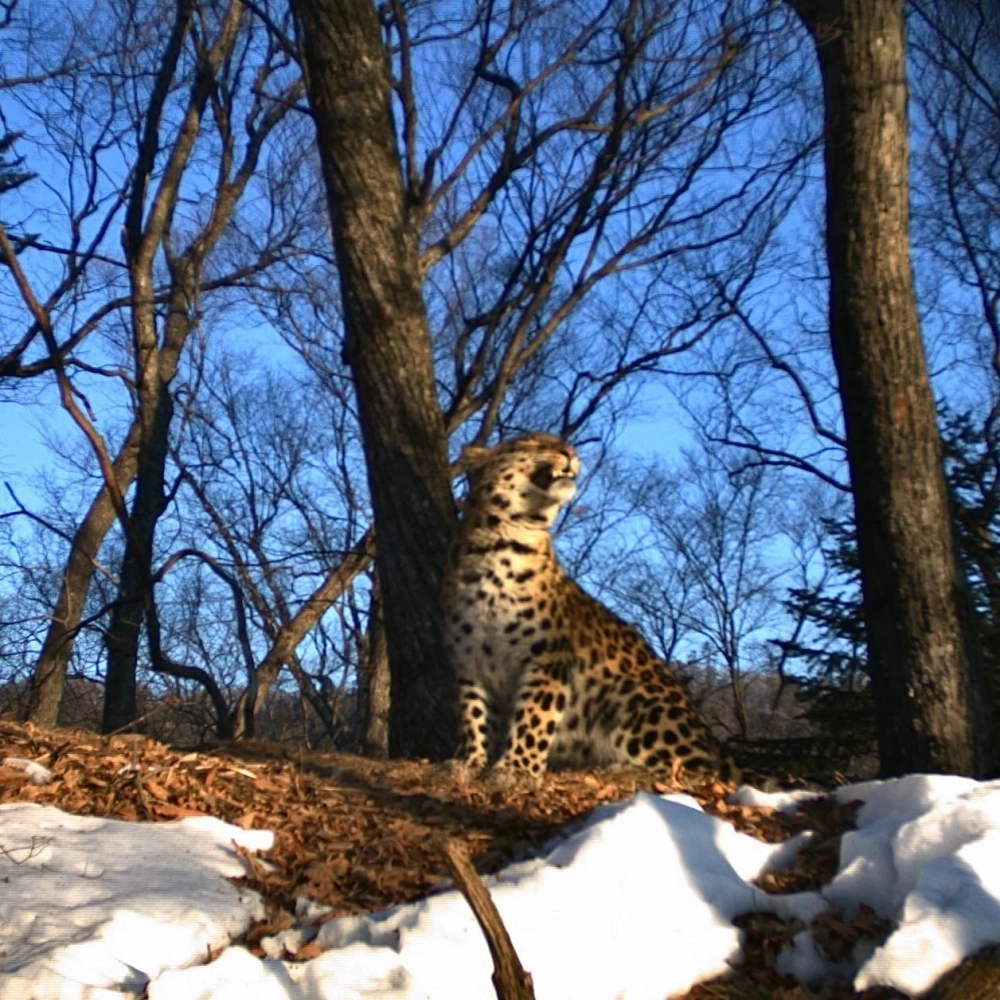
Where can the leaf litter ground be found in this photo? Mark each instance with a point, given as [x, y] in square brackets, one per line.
[360, 835]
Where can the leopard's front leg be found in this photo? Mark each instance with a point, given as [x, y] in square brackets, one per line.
[540, 705]
[474, 720]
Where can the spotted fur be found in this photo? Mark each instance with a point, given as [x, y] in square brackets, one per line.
[546, 673]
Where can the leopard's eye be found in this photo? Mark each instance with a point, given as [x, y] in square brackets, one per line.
[542, 476]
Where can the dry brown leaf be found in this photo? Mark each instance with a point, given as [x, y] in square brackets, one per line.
[361, 835]
[155, 789]
[169, 811]
[307, 951]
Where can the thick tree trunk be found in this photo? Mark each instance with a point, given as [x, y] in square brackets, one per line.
[916, 646]
[389, 351]
[49, 677]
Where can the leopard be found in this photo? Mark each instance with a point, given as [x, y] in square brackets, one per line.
[548, 677]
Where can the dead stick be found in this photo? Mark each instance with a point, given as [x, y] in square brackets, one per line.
[509, 978]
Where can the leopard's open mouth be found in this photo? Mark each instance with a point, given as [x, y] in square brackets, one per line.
[545, 478]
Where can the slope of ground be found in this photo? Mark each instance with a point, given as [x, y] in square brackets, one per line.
[360, 835]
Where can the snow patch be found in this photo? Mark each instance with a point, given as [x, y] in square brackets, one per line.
[638, 904]
[92, 907]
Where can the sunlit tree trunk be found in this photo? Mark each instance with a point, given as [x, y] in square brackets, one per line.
[49, 678]
[155, 405]
[388, 348]
[917, 655]
[292, 632]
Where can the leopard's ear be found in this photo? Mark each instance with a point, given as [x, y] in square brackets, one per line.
[472, 457]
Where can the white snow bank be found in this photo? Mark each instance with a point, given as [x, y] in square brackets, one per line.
[637, 905]
[936, 840]
[926, 855]
[92, 907]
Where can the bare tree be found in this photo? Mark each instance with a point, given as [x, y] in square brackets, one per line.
[388, 348]
[276, 511]
[205, 80]
[218, 71]
[49, 675]
[715, 530]
[918, 659]
[956, 96]
[563, 158]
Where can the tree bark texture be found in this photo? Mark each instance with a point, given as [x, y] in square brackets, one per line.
[374, 683]
[156, 367]
[510, 980]
[910, 584]
[49, 678]
[135, 581]
[388, 348]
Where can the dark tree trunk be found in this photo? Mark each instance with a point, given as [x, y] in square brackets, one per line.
[375, 683]
[49, 677]
[388, 348]
[156, 367]
[135, 581]
[144, 236]
[916, 645]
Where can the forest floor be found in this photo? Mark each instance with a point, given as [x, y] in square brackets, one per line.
[360, 835]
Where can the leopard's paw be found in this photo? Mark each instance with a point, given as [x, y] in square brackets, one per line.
[503, 776]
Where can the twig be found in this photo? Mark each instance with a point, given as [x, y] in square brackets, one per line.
[510, 980]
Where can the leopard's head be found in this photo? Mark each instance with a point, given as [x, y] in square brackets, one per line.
[522, 482]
